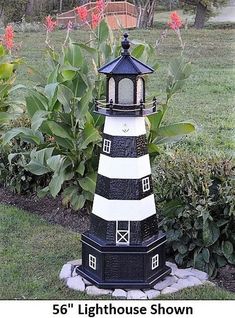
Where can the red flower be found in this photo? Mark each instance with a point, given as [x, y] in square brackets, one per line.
[50, 24]
[100, 5]
[175, 22]
[82, 13]
[8, 38]
[95, 20]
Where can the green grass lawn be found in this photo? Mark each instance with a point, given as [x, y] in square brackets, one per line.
[208, 97]
[33, 251]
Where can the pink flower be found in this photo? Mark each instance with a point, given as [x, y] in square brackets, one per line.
[95, 20]
[175, 21]
[8, 38]
[82, 13]
[100, 5]
[50, 24]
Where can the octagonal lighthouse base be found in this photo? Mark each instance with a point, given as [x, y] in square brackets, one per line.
[135, 266]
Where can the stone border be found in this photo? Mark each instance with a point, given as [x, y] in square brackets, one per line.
[177, 280]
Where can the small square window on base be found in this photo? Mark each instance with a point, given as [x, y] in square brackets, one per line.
[155, 261]
[92, 261]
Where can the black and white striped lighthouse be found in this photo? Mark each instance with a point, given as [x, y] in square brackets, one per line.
[123, 248]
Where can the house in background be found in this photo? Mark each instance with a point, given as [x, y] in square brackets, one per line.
[118, 14]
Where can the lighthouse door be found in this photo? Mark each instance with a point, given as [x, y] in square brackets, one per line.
[122, 232]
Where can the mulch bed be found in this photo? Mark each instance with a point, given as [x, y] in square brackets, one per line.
[52, 210]
[226, 278]
[48, 208]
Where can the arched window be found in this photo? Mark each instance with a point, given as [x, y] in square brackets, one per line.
[125, 91]
[140, 90]
[112, 89]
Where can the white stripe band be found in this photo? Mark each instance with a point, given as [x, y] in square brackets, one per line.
[124, 210]
[125, 126]
[124, 168]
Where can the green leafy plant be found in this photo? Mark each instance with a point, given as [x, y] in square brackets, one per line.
[159, 134]
[65, 133]
[196, 198]
[13, 174]
[9, 108]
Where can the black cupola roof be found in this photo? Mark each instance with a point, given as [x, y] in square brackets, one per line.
[125, 64]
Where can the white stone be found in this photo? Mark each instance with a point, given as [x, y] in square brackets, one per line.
[76, 283]
[183, 283]
[199, 274]
[152, 293]
[196, 281]
[76, 262]
[183, 273]
[173, 267]
[189, 281]
[87, 283]
[119, 293]
[179, 286]
[74, 271]
[94, 291]
[66, 271]
[168, 281]
[136, 294]
[169, 290]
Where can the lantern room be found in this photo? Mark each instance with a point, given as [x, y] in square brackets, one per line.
[125, 86]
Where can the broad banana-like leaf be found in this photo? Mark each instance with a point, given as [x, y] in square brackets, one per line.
[173, 132]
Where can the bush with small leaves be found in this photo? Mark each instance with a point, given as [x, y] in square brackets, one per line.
[197, 199]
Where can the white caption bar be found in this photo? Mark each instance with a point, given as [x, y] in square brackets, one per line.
[101, 309]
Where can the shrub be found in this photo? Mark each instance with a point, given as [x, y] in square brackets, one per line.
[12, 169]
[13, 10]
[196, 196]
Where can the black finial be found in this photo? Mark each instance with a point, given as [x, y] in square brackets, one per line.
[125, 44]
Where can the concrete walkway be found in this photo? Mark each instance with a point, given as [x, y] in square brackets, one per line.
[226, 14]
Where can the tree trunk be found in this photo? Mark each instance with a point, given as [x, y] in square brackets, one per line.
[145, 13]
[61, 6]
[2, 13]
[200, 16]
[30, 8]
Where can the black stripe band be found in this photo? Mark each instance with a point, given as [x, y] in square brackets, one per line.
[139, 230]
[124, 189]
[124, 146]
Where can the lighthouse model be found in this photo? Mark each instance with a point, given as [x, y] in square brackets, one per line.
[123, 248]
